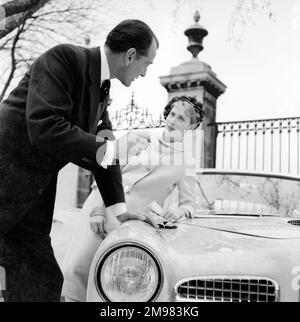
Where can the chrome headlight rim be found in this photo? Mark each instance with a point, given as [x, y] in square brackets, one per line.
[107, 253]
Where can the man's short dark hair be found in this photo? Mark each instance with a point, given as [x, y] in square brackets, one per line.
[131, 34]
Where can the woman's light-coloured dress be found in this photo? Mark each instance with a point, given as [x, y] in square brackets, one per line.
[152, 175]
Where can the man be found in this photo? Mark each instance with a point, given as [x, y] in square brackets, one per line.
[51, 118]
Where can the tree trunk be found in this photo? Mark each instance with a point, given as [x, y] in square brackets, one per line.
[18, 6]
[18, 11]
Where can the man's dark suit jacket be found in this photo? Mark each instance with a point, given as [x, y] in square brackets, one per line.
[49, 120]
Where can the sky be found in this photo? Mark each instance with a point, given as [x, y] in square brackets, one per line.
[261, 74]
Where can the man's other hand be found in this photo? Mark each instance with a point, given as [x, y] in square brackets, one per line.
[132, 143]
[101, 223]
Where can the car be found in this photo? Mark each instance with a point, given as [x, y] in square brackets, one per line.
[241, 246]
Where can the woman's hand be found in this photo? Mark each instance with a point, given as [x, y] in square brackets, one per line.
[174, 215]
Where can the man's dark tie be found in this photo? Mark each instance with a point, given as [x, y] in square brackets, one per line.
[104, 91]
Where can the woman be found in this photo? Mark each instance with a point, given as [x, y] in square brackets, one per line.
[148, 179]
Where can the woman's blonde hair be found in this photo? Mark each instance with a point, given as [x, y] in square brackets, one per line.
[196, 113]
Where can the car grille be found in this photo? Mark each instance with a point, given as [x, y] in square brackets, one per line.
[226, 289]
[294, 222]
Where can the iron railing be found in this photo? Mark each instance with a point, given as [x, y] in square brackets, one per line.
[134, 117]
[267, 145]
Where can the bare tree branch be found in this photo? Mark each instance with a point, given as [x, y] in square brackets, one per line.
[13, 61]
[243, 15]
[18, 11]
[18, 6]
[48, 22]
[209, 204]
[58, 21]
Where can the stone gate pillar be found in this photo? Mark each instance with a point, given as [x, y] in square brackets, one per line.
[196, 78]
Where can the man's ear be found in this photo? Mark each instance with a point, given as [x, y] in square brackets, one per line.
[130, 55]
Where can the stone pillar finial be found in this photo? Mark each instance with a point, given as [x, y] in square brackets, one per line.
[195, 34]
[197, 16]
[197, 79]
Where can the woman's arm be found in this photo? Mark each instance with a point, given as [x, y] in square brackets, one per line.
[186, 200]
[187, 195]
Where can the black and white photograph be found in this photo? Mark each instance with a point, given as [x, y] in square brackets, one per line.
[149, 152]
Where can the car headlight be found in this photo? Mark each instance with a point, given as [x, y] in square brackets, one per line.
[129, 274]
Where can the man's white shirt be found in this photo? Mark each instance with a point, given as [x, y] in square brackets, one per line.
[118, 208]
